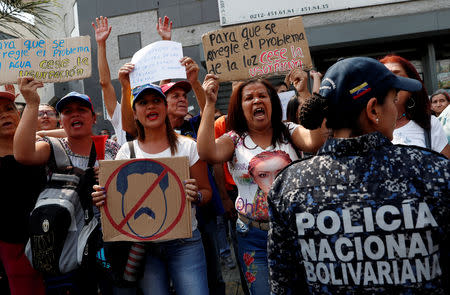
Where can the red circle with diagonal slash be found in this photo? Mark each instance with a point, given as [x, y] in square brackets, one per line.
[119, 227]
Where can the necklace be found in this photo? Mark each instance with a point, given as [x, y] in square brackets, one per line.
[403, 115]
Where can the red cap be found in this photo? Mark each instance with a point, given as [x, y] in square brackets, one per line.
[9, 92]
[185, 85]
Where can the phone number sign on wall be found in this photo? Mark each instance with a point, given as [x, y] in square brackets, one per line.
[238, 11]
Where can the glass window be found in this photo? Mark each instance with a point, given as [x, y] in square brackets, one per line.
[129, 44]
[442, 49]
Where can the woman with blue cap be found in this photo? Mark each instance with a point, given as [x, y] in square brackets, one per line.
[77, 117]
[364, 215]
[179, 260]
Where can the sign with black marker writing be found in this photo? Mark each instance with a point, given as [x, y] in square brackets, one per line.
[57, 60]
[257, 49]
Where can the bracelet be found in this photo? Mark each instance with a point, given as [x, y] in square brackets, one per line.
[198, 198]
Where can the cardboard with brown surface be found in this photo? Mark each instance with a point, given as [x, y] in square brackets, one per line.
[257, 49]
[145, 200]
[56, 60]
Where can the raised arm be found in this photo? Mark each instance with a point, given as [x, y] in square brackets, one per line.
[192, 76]
[317, 79]
[26, 150]
[127, 111]
[102, 31]
[299, 79]
[211, 150]
[164, 29]
[310, 140]
[52, 133]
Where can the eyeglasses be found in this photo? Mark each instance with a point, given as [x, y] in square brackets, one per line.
[50, 114]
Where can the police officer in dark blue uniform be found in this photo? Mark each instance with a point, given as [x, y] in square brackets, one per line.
[364, 215]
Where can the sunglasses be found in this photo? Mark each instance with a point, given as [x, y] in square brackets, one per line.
[50, 114]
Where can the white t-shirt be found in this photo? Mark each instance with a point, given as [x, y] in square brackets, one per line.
[116, 122]
[413, 134]
[444, 118]
[254, 169]
[186, 148]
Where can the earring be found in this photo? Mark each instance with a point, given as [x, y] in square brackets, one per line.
[377, 120]
[411, 103]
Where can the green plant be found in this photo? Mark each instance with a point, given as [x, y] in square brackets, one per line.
[30, 15]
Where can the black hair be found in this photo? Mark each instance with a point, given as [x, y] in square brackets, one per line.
[236, 118]
[279, 84]
[292, 110]
[315, 109]
[171, 134]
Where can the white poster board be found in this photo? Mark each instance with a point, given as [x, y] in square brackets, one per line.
[157, 61]
[238, 11]
[285, 97]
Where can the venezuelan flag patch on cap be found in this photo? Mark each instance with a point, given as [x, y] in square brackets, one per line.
[360, 90]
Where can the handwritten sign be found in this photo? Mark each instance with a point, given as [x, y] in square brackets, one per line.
[146, 199]
[257, 49]
[157, 61]
[57, 60]
[238, 11]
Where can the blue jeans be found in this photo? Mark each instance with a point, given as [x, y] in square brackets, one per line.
[222, 242]
[252, 247]
[182, 260]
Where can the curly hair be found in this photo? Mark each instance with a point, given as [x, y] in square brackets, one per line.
[317, 108]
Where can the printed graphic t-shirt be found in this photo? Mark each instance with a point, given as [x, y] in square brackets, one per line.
[186, 148]
[444, 118]
[254, 169]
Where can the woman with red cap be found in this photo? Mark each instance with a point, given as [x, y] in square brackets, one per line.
[16, 203]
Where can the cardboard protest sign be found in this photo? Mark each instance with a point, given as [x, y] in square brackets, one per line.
[57, 60]
[257, 49]
[146, 199]
[157, 61]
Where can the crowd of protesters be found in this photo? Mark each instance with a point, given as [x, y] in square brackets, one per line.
[350, 194]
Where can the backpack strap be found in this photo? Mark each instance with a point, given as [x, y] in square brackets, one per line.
[59, 154]
[131, 147]
[428, 138]
[92, 156]
[62, 160]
